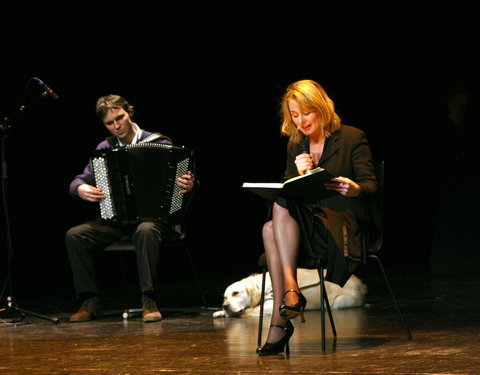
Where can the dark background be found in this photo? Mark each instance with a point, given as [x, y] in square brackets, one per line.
[210, 76]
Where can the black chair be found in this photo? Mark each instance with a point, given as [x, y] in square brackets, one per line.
[380, 171]
[125, 244]
[325, 305]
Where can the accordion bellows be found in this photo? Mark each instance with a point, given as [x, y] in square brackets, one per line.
[139, 182]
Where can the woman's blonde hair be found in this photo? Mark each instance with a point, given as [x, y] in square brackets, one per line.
[309, 96]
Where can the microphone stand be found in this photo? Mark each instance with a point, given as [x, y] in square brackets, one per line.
[12, 306]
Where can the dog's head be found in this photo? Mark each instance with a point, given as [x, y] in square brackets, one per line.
[240, 296]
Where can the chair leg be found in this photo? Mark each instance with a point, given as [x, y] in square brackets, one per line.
[329, 310]
[395, 302]
[124, 281]
[262, 301]
[322, 309]
[325, 303]
[195, 276]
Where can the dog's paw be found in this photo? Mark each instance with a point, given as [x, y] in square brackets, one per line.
[219, 314]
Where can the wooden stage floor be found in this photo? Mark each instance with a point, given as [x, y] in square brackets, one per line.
[441, 311]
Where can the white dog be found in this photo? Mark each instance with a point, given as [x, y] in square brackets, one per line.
[242, 298]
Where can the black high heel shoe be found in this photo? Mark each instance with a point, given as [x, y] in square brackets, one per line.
[291, 312]
[277, 347]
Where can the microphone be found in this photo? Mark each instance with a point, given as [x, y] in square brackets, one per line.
[304, 148]
[48, 90]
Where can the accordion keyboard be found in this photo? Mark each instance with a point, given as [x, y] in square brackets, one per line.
[107, 209]
[177, 198]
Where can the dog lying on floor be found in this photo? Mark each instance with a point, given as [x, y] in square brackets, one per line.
[242, 298]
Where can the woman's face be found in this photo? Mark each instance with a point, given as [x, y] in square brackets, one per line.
[308, 122]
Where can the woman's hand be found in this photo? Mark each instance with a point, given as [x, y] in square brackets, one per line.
[344, 186]
[304, 162]
[90, 193]
[186, 182]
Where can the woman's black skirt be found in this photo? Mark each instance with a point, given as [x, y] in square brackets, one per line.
[328, 237]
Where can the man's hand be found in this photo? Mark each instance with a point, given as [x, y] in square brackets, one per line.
[90, 193]
[186, 182]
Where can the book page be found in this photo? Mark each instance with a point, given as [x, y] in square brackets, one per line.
[307, 173]
[267, 190]
[263, 185]
[307, 188]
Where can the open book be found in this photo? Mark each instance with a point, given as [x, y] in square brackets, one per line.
[308, 188]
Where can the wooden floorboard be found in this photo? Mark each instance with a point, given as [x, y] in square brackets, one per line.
[443, 317]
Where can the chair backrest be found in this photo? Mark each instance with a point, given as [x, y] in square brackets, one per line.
[375, 208]
[379, 167]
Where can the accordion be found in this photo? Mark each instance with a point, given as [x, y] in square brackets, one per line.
[139, 182]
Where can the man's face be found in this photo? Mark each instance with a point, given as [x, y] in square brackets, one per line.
[119, 124]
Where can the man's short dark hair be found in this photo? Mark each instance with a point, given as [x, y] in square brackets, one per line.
[112, 102]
